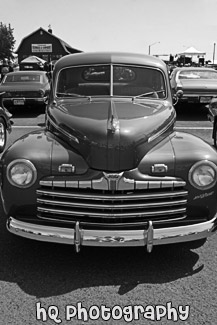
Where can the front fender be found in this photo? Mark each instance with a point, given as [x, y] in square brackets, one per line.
[46, 153]
[178, 153]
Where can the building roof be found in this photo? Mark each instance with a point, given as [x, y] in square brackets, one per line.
[65, 45]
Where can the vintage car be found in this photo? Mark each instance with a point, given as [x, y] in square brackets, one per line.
[199, 84]
[32, 63]
[109, 169]
[25, 88]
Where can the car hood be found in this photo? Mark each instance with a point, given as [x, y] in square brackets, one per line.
[200, 84]
[111, 134]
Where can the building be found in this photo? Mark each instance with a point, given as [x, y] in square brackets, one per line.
[45, 45]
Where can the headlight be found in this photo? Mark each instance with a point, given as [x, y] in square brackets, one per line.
[21, 173]
[203, 175]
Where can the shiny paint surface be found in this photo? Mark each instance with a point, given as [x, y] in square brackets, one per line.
[117, 149]
[103, 149]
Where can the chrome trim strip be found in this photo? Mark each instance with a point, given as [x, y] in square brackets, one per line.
[150, 237]
[24, 98]
[94, 196]
[122, 183]
[112, 238]
[90, 205]
[158, 134]
[110, 214]
[124, 206]
[77, 237]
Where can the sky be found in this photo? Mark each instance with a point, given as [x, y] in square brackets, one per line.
[164, 26]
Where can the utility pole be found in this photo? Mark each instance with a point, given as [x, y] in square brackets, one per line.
[149, 47]
[213, 54]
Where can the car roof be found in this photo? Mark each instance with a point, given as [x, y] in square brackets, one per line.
[193, 69]
[109, 57]
[27, 72]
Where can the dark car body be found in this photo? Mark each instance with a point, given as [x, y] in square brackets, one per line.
[5, 126]
[199, 84]
[109, 169]
[25, 88]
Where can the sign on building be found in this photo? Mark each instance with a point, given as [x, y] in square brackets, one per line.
[41, 48]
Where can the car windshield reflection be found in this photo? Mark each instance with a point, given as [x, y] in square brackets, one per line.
[110, 80]
[10, 78]
[197, 74]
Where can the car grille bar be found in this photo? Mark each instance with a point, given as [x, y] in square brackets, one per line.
[132, 202]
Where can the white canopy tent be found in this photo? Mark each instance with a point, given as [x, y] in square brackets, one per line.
[33, 59]
[191, 51]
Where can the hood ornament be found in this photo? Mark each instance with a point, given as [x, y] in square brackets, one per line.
[113, 122]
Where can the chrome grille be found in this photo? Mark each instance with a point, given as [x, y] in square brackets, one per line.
[130, 202]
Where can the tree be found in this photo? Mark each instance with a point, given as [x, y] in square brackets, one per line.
[7, 41]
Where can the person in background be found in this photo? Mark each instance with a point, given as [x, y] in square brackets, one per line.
[46, 66]
[4, 68]
[10, 64]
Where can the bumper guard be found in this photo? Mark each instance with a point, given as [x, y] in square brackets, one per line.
[78, 236]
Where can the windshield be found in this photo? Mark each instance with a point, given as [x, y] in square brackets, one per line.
[197, 74]
[111, 80]
[22, 78]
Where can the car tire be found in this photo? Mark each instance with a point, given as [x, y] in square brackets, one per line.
[3, 135]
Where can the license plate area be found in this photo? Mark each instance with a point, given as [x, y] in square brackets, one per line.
[19, 102]
[205, 99]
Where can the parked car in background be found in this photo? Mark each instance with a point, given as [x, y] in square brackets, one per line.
[5, 126]
[109, 169]
[212, 117]
[199, 84]
[25, 88]
[32, 63]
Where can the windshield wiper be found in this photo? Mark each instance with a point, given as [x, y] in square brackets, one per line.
[72, 95]
[149, 94]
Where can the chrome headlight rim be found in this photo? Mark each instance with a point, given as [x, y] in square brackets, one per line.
[28, 164]
[200, 164]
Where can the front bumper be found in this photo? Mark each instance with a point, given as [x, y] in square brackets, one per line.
[78, 236]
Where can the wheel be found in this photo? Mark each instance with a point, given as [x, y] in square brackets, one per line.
[3, 135]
